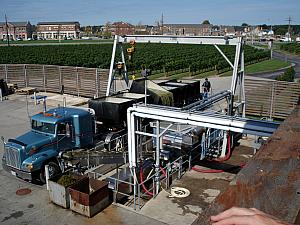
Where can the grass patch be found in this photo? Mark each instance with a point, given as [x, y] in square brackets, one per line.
[206, 74]
[179, 75]
[264, 66]
[182, 75]
[157, 76]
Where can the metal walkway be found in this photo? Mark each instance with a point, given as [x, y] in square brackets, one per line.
[203, 119]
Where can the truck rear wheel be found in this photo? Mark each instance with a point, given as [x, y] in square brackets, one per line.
[53, 171]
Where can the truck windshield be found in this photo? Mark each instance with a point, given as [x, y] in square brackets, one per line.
[43, 127]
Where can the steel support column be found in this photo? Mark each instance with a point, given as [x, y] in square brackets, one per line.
[157, 154]
[224, 56]
[125, 68]
[111, 68]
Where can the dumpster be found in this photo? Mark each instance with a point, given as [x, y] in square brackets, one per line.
[58, 188]
[89, 196]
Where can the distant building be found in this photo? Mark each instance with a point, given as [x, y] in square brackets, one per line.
[227, 30]
[118, 28]
[188, 29]
[142, 29]
[58, 30]
[16, 30]
[241, 30]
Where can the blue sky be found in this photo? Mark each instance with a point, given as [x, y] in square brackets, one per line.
[95, 12]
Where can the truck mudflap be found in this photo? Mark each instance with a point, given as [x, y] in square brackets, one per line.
[16, 172]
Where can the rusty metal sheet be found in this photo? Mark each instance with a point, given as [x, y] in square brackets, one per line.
[89, 191]
[271, 180]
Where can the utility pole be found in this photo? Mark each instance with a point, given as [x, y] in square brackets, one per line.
[58, 33]
[162, 24]
[289, 28]
[6, 24]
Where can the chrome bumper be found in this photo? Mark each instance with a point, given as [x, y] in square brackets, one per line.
[16, 172]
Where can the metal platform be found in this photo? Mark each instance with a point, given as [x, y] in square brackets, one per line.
[203, 119]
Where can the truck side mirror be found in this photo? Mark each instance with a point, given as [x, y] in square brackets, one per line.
[68, 131]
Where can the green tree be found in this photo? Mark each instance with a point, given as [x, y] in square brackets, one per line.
[288, 75]
[264, 26]
[245, 24]
[206, 22]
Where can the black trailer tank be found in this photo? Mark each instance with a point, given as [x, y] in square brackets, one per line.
[111, 111]
[177, 95]
[194, 88]
[158, 95]
[189, 89]
[134, 96]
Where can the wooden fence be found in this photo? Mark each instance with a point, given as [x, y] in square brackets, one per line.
[271, 98]
[87, 82]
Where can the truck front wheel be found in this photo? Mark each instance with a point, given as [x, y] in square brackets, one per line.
[53, 171]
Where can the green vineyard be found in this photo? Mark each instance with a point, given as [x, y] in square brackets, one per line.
[291, 47]
[157, 57]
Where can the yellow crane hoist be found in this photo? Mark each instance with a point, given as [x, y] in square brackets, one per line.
[120, 66]
[131, 50]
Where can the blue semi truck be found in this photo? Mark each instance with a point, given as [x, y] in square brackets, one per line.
[66, 128]
[52, 132]
[57, 131]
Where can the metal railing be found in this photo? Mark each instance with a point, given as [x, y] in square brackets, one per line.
[212, 142]
[178, 166]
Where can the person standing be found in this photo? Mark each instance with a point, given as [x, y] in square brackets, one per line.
[206, 88]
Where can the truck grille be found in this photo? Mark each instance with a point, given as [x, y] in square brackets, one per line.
[12, 157]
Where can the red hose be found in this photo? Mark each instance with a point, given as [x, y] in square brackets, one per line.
[227, 156]
[207, 171]
[163, 171]
[142, 180]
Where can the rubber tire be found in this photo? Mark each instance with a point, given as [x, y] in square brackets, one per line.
[56, 171]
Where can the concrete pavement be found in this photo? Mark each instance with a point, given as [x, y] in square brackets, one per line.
[35, 207]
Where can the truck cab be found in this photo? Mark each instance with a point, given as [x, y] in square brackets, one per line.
[59, 129]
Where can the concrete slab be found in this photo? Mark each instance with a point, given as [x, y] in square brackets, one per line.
[163, 209]
[204, 188]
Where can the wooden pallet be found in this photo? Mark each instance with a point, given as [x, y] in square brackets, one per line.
[26, 91]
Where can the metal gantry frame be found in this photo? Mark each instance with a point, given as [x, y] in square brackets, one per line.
[189, 116]
[237, 66]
